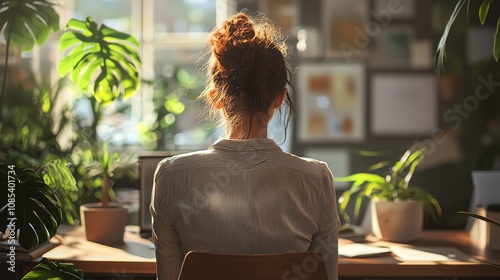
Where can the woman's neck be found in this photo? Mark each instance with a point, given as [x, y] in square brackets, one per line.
[242, 130]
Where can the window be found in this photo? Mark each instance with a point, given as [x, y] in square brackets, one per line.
[172, 34]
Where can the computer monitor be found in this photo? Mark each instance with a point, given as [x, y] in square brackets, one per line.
[148, 161]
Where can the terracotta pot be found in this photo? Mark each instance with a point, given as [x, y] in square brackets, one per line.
[104, 225]
[397, 221]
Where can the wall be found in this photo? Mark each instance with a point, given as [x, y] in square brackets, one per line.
[451, 127]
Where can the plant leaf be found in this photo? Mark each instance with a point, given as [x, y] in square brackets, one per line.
[379, 165]
[488, 220]
[103, 60]
[441, 49]
[28, 22]
[483, 10]
[117, 35]
[366, 153]
[34, 202]
[49, 270]
[365, 177]
[67, 39]
[496, 42]
[344, 200]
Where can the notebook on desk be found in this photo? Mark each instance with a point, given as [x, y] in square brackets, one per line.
[148, 161]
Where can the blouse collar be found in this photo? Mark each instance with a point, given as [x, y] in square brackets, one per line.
[254, 144]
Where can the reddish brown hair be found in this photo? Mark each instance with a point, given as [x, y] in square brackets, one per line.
[247, 69]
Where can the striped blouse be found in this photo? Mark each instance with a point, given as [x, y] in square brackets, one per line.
[243, 197]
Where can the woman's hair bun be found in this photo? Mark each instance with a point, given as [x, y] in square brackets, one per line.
[240, 29]
[247, 67]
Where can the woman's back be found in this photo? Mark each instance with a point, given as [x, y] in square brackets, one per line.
[245, 197]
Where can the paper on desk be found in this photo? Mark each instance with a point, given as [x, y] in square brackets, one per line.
[361, 250]
[432, 254]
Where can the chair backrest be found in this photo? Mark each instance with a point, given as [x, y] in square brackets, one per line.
[208, 266]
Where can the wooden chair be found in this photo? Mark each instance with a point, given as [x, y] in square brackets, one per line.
[208, 266]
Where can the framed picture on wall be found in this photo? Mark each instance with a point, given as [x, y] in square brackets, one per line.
[392, 47]
[401, 9]
[283, 13]
[331, 102]
[403, 104]
[344, 24]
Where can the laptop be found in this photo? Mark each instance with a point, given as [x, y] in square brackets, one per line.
[148, 161]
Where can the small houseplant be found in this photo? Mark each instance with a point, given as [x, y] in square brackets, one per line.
[391, 195]
[104, 62]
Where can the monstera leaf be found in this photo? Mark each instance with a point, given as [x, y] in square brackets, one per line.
[103, 55]
[27, 22]
[27, 206]
[50, 270]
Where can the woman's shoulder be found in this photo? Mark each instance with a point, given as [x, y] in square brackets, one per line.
[185, 159]
[306, 163]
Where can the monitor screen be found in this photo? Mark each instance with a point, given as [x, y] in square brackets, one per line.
[148, 161]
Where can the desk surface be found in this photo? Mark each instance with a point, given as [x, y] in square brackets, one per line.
[136, 256]
[387, 266]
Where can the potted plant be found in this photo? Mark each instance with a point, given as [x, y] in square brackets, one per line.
[105, 63]
[104, 222]
[101, 61]
[397, 207]
[30, 216]
[105, 57]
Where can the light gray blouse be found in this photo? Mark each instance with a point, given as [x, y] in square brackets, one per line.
[243, 197]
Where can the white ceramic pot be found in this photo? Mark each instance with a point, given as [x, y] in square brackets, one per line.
[397, 221]
[483, 234]
[105, 225]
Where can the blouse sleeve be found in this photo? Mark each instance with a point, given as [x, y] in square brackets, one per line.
[169, 253]
[325, 241]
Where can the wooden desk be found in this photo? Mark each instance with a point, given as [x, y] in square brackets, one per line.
[136, 257]
[389, 266]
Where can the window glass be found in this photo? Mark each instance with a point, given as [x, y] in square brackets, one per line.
[114, 13]
[179, 79]
[184, 16]
[174, 61]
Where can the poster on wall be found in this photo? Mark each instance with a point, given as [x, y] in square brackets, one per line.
[331, 102]
[344, 24]
[403, 104]
[401, 9]
[392, 47]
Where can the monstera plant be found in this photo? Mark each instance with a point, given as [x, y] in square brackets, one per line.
[29, 213]
[47, 269]
[102, 60]
[105, 63]
[28, 207]
[25, 23]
